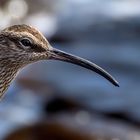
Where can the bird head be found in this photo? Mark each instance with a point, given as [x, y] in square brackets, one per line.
[23, 44]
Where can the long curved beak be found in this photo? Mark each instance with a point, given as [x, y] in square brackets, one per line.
[56, 54]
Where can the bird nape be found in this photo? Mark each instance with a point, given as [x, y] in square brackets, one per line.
[21, 45]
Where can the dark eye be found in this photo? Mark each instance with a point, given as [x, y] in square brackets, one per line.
[26, 42]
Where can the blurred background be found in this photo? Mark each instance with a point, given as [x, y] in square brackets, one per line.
[55, 100]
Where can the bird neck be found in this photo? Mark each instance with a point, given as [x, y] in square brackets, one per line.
[7, 74]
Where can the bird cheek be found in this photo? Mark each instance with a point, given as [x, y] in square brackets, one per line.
[34, 57]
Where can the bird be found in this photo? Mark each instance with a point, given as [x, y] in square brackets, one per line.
[23, 44]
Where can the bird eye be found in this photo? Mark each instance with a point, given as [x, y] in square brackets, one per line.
[26, 42]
